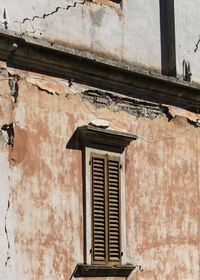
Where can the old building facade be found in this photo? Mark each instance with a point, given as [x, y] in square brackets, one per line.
[99, 140]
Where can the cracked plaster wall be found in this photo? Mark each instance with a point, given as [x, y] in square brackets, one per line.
[41, 200]
[41, 217]
[109, 29]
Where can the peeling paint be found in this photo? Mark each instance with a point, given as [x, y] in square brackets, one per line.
[175, 111]
[13, 86]
[7, 133]
[42, 188]
[134, 107]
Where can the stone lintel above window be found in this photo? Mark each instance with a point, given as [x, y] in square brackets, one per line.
[107, 137]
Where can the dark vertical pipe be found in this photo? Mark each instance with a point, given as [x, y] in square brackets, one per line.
[168, 45]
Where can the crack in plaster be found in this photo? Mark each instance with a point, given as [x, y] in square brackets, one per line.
[45, 90]
[6, 232]
[53, 12]
[39, 30]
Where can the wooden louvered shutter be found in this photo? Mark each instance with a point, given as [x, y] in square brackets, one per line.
[114, 210]
[105, 178]
[98, 209]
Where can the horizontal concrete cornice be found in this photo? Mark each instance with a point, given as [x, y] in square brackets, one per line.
[81, 66]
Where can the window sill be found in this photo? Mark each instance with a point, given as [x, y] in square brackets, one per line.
[83, 270]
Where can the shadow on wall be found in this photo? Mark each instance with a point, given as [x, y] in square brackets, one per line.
[167, 36]
[75, 142]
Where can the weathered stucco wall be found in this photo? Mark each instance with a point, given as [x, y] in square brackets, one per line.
[163, 200]
[42, 203]
[118, 31]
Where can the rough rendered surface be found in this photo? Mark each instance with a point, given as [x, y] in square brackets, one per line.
[41, 173]
[44, 219]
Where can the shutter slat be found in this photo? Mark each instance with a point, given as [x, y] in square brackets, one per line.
[99, 214]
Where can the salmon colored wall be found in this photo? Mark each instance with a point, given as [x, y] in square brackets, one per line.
[46, 212]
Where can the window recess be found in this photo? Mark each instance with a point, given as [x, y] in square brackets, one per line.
[104, 198]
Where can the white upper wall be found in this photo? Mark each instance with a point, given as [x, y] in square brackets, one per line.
[187, 36]
[142, 33]
[129, 32]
